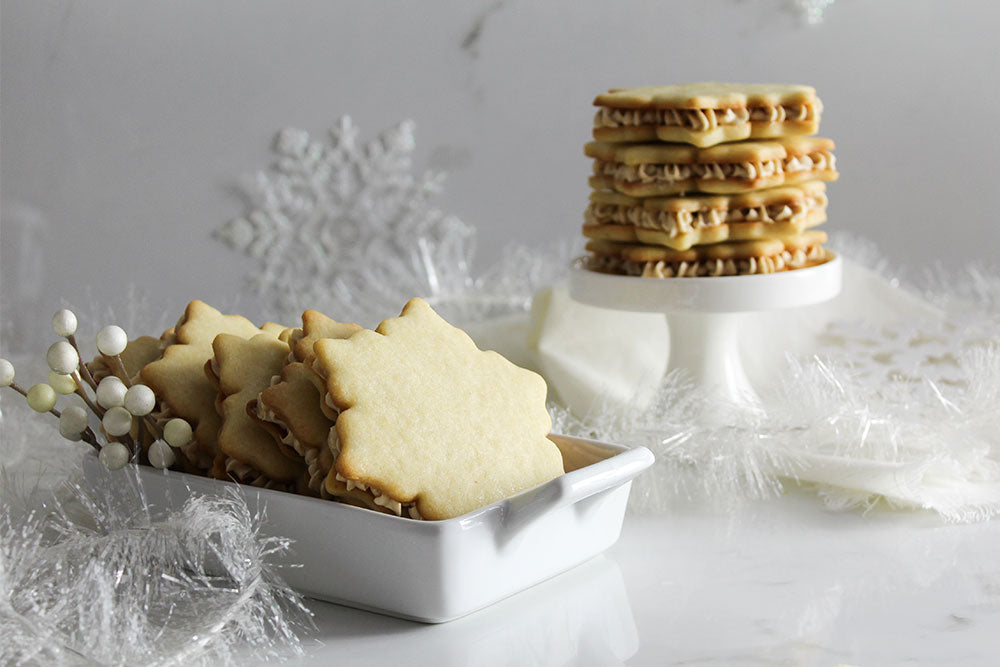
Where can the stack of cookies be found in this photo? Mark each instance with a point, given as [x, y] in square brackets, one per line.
[410, 419]
[707, 179]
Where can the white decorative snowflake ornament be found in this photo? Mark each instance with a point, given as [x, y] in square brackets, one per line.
[346, 227]
[812, 10]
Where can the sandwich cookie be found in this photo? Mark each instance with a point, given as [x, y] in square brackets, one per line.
[705, 114]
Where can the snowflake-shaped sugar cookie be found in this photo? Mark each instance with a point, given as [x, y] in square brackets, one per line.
[179, 379]
[429, 419]
[245, 367]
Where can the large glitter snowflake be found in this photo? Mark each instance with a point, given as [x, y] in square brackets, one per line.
[347, 227]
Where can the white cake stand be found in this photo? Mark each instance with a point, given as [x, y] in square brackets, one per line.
[703, 314]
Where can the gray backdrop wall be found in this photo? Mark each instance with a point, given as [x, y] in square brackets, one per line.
[124, 125]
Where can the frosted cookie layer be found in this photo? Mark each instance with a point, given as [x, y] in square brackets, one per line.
[705, 114]
[648, 170]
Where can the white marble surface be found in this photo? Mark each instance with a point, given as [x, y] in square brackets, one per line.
[785, 582]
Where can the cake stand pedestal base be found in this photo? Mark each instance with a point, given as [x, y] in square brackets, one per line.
[705, 346]
[703, 314]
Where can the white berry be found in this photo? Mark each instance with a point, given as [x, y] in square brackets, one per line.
[161, 455]
[111, 392]
[114, 455]
[42, 398]
[117, 421]
[63, 384]
[6, 373]
[139, 400]
[64, 323]
[72, 422]
[62, 357]
[177, 432]
[111, 340]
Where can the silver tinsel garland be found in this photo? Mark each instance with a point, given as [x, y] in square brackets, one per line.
[923, 445]
[89, 576]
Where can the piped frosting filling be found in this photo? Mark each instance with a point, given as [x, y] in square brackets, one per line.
[818, 161]
[681, 222]
[309, 454]
[245, 474]
[702, 119]
[783, 261]
[719, 171]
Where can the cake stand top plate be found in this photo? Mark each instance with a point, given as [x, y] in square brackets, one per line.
[723, 294]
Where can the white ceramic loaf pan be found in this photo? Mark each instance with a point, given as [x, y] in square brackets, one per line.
[435, 571]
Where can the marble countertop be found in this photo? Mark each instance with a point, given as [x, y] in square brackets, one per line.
[783, 582]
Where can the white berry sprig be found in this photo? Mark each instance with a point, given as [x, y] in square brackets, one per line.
[64, 323]
[42, 398]
[117, 402]
[63, 357]
[111, 342]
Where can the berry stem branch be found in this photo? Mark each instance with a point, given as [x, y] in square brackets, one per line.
[83, 366]
[87, 435]
[96, 409]
[117, 367]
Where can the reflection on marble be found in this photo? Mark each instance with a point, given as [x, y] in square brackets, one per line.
[785, 582]
[582, 615]
[788, 582]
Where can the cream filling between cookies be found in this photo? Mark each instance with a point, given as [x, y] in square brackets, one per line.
[246, 474]
[785, 260]
[288, 438]
[818, 161]
[645, 173]
[696, 119]
[309, 454]
[701, 119]
[681, 222]
[737, 170]
[780, 113]
[381, 499]
[316, 475]
[672, 172]
[268, 415]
